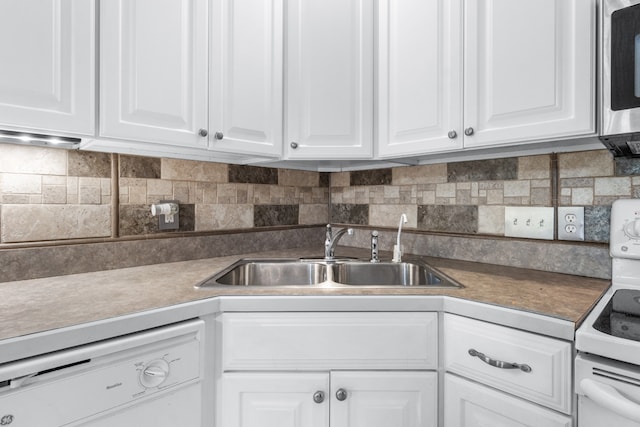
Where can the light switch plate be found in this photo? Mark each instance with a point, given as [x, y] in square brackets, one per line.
[529, 222]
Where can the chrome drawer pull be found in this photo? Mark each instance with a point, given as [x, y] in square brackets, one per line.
[499, 363]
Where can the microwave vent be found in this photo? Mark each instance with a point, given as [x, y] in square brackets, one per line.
[623, 145]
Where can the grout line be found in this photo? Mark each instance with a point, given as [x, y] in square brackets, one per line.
[555, 182]
[115, 195]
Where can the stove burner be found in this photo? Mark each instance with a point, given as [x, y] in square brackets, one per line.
[621, 316]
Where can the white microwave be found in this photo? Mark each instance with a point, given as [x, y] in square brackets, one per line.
[620, 77]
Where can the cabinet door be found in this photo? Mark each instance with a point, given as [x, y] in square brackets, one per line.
[529, 70]
[419, 83]
[329, 79]
[383, 399]
[247, 72]
[47, 77]
[274, 400]
[153, 83]
[468, 404]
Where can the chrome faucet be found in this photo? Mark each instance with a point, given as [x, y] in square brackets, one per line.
[331, 241]
[374, 246]
[397, 249]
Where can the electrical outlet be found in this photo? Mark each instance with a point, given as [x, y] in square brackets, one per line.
[529, 222]
[571, 223]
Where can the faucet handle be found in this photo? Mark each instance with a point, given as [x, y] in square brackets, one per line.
[374, 246]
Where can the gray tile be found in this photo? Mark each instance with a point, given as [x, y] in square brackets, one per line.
[270, 215]
[325, 178]
[454, 219]
[140, 167]
[252, 174]
[483, 170]
[343, 213]
[89, 163]
[627, 167]
[596, 223]
[136, 220]
[371, 177]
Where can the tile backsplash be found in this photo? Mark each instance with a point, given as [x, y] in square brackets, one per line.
[49, 196]
[470, 197]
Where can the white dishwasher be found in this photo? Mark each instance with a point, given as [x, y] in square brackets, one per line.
[150, 378]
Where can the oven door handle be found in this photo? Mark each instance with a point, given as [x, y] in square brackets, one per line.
[610, 398]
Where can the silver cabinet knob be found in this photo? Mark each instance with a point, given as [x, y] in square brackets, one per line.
[452, 134]
[341, 394]
[468, 131]
[294, 145]
[318, 396]
[203, 132]
[218, 135]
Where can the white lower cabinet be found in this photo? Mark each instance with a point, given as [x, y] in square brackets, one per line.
[336, 399]
[502, 377]
[469, 404]
[328, 369]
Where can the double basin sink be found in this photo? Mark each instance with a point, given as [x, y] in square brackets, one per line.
[341, 272]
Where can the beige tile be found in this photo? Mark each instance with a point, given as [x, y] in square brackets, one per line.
[189, 170]
[11, 183]
[298, 178]
[313, 214]
[159, 187]
[582, 196]
[24, 223]
[389, 215]
[585, 164]
[33, 160]
[340, 179]
[424, 174]
[517, 188]
[223, 216]
[446, 190]
[491, 220]
[612, 186]
[54, 194]
[90, 195]
[494, 197]
[534, 167]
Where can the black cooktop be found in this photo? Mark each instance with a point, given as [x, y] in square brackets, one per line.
[621, 316]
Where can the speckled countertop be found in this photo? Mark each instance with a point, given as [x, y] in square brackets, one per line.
[38, 305]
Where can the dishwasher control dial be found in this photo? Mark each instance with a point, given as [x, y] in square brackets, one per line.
[154, 373]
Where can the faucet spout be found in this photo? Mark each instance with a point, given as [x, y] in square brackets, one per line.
[397, 249]
[331, 241]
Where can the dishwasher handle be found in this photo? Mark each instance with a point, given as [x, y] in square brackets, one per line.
[610, 398]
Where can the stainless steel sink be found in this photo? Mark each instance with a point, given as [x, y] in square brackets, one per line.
[413, 273]
[342, 272]
[269, 272]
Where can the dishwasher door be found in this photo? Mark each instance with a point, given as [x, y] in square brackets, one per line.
[148, 379]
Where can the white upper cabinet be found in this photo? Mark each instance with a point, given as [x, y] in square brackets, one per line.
[246, 76]
[47, 77]
[329, 78]
[419, 83]
[529, 70]
[524, 71]
[154, 72]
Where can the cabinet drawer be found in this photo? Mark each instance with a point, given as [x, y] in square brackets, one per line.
[467, 403]
[264, 341]
[548, 381]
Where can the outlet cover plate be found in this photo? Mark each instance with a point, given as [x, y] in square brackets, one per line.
[529, 222]
[571, 223]
[163, 224]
